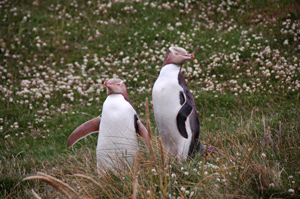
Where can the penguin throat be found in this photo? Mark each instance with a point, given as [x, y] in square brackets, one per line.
[170, 69]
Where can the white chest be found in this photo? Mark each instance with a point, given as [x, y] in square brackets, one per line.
[166, 105]
[117, 135]
[117, 121]
[165, 94]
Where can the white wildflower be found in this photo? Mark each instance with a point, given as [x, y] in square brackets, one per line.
[178, 24]
[291, 191]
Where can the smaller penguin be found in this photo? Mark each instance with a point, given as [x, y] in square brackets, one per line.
[175, 108]
[118, 126]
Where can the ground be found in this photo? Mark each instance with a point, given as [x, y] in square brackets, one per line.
[56, 55]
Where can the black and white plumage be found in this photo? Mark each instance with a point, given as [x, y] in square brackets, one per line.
[118, 126]
[174, 107]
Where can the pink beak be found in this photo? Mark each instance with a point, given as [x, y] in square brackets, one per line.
[188, 56]
[108, 84]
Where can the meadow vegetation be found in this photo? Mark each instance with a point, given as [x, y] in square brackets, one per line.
[245, 77]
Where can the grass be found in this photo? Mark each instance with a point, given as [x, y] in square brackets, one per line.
[55, 57]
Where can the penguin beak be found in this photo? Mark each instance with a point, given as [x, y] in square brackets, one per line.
[107, 84]
[188, 56]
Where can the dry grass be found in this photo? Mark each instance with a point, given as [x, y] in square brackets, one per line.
[240, 173]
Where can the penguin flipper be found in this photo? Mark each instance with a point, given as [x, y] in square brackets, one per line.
[183, 114]
[141, 129]
[87, 128]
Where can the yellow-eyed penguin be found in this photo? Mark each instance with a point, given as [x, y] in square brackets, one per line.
[174, 107]
[118, 126]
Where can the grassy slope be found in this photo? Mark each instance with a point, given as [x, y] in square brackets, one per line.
[243, 123]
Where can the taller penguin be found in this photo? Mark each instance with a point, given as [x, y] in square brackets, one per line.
[174, 107]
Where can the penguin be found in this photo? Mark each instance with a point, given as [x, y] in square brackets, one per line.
[118, 127]
[174, 107]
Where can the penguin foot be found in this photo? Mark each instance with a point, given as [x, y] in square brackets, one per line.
[209, 150]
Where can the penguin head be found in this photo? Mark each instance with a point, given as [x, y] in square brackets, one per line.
[115, 86]
[177, 55]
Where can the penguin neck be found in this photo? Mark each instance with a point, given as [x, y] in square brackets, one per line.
[170, 70]
[125, 96]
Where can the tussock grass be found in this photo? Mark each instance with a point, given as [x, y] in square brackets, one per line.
[247, 169]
